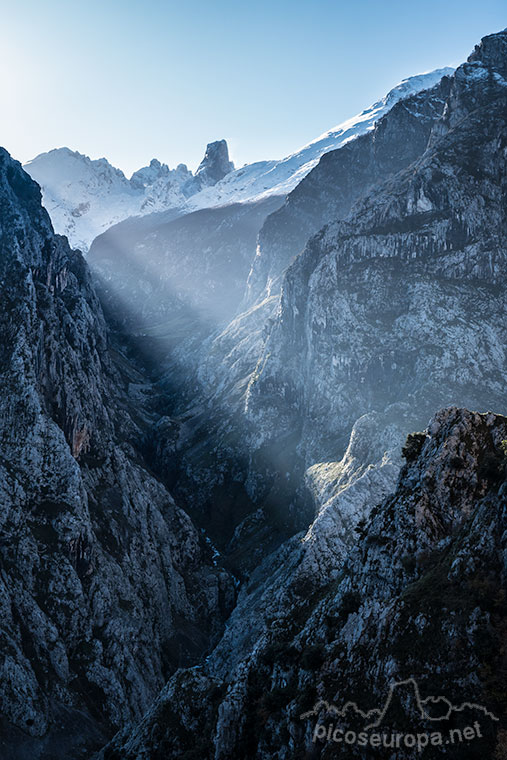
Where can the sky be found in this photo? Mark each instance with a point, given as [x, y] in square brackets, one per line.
[133, 80]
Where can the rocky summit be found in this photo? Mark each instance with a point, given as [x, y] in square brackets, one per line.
[253, 447]
[215, 164]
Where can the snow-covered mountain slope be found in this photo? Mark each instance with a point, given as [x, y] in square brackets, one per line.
[85, 197]
[264, 178]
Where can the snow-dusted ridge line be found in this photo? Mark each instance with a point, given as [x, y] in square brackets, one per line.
[85, 196]
[264, 178]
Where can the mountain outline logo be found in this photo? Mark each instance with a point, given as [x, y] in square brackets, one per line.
[375, 717]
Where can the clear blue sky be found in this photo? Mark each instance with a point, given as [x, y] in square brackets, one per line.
[130, 80]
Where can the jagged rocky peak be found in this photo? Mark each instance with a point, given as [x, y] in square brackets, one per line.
[156, 171]
[148, 174]
[492, 52]
[215, 164]
[478, 83]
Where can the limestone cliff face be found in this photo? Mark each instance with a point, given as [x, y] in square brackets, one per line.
[339, 180]
[405, 300]
[105, 585]
[419, 594]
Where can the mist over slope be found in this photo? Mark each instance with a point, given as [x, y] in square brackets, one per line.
[215, 534]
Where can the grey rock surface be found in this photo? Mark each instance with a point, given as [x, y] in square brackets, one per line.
[427, 570]
[106, 586]
[215, 164]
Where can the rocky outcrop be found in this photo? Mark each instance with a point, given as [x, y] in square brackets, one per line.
[106, 587]
[215, 164]
[417, 599]
[148, 176]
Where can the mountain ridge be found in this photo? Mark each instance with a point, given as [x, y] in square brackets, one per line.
[158, 188]
[86, 196]
[106, 586]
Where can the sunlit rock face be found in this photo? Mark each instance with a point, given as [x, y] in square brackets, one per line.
[106, 586]
[419, 593]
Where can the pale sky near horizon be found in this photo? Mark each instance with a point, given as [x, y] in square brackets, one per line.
[134, 80]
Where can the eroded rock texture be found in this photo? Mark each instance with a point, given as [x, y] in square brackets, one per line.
[105, 585]
[419, 594]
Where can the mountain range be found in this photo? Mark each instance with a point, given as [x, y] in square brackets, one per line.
[253, 444]
[85, 197]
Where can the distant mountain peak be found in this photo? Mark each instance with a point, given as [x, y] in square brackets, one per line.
[85, 197]
[215, 164]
